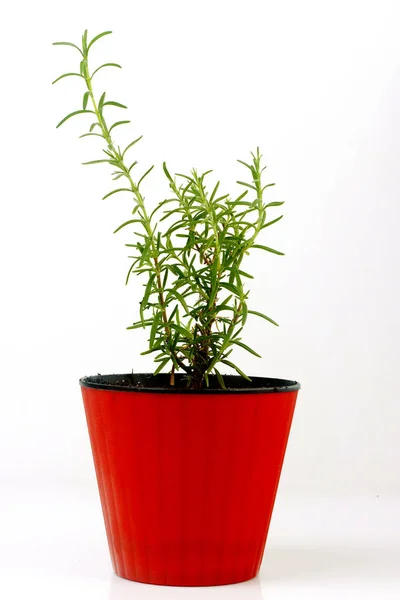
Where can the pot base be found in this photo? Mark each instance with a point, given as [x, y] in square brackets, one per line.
[181, 582]
[201, 563]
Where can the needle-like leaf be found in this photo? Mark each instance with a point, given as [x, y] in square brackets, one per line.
[85, 100]
[67, 44]
[146, 295]
[112, 103]
[245, 347]
[97, 37]
[237, 369]
[77, 112]
[162, 364]
[220, 379]
[272, 222]
[95, 162]
[117, 124]
[66, 75]
[130, 145]
[145, 175]
[116, 192]
[105, 65]
[268, 249]
[95, 134]
[253, 187]
[127, 223]
[259, 314]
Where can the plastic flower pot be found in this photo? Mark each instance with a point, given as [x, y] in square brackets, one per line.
[187, 479]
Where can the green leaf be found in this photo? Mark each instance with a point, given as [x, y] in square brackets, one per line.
[139, 324]
[175, 227]
[77, 112]
[118, 123]
[233, 366]
[161, 365]
[245, 311]
[244, 274]
[229, 286]
[268, 249]
[157, 347]
[184, 332]
[177, 271]
[153, 330]
[237, 333]
[85, 100]
[214, 192]
[128, 275]
[130, 145]
[185, 177]
[116, 192]
[106, 65]
[97, 37]
[164, 166]
[274, 204]
[101, 101]
[160, 205]
[179, 297]
[239, 198]
[246, 164]
[214, 284]
[95, 162]
[259, 314]
[145, 175]
[66, 75]
[224, 307]
[172, 315]
[242, 345]
[147, 292]
[84, 43]
[87, 134]
[93, 125]
[267, 186]
[67, 44]
[272, 222]
[135, 162]
[127, 223]
[220, 379]
[135, 209]
[165, 279]
[112, 103]
[247, 185]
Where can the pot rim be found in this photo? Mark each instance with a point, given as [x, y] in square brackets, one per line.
[261, 385]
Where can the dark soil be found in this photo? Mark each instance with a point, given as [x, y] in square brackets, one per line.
[148, 382]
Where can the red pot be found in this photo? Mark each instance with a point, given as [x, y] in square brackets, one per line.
[188, 479]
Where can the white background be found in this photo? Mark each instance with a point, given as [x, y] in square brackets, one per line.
[317, 86]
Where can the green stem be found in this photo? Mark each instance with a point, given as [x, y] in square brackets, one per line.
[227, 339]
[140, 201]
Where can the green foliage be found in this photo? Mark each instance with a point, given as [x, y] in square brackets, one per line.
[194, 303]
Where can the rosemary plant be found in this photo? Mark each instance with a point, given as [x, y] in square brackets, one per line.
[194, 303]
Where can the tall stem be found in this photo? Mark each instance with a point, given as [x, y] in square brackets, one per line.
[145, 218]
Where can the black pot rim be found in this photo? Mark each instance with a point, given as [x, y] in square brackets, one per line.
[237, 384]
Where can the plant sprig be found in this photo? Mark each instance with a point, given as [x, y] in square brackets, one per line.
[194, 302]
